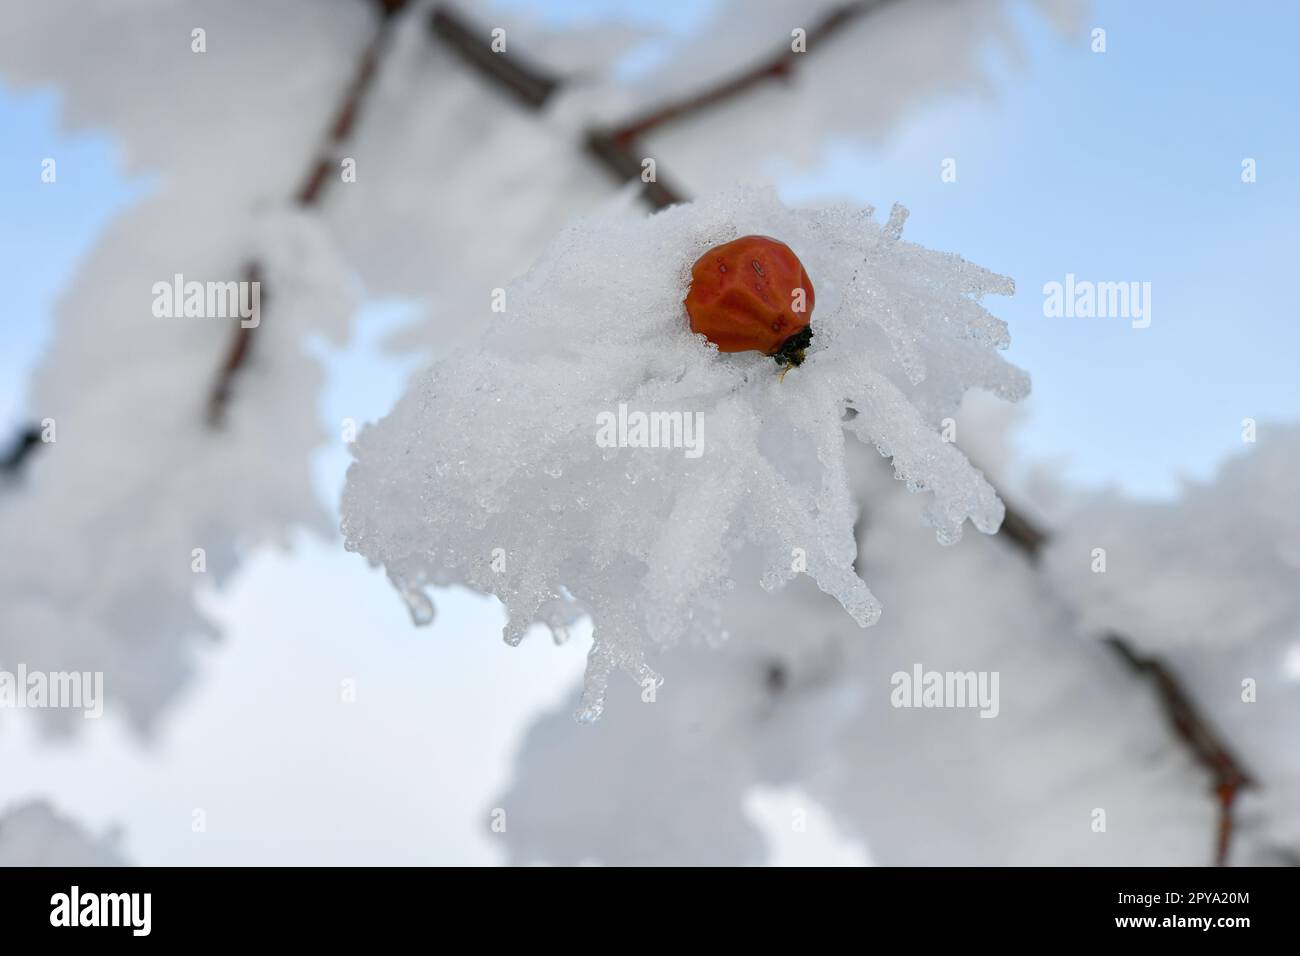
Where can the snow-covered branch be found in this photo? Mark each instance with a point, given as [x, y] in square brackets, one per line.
[531, 85]
[324, 170]
[33, 834]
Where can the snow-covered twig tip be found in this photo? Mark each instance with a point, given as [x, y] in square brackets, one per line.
[592, 455]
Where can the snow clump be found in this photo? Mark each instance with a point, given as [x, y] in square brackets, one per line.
[518, 466]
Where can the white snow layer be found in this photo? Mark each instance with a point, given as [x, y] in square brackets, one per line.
[1220, 565]
[97, 572]
[33, 834]
[488, 472]
[99, 568]
[797, 697]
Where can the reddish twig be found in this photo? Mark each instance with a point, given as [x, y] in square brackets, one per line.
[617, 149]
[529, 84]
[1196, 734]
[308, 194]
[236, 355]
[1186, 721]
[779, 65]
[619, 155]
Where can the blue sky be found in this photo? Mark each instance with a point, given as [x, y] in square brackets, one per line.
[1125, 166]
[1116, 166]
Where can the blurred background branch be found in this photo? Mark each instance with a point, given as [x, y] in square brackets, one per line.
[319, 174]
[618, 150]
[22, 445]
[530, 85]
[1186, 721]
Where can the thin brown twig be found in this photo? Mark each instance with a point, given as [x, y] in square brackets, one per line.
[620, 157]
[780, 65]
[1022, 533]
[617, 148]
[308, 194]
[528, 83]
[1195, 731]
[236, 355]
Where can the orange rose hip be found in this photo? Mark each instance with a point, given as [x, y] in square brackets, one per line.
[752, 294]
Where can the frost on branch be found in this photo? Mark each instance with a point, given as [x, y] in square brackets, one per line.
[97, 572]
[854, 87]
[488, 472]
[1218, 566]
[96, 568]
[33, 834]
[796, 699]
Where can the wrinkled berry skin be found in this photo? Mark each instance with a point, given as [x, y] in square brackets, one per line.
[742, 298]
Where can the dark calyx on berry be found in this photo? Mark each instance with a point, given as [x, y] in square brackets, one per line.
[792, 349]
